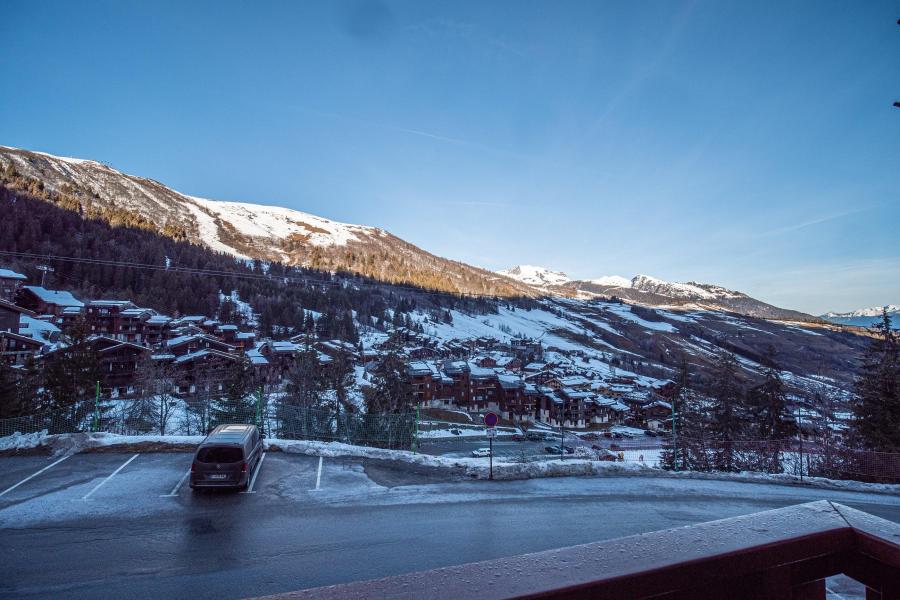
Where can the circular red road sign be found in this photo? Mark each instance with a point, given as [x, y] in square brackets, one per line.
[490, 419]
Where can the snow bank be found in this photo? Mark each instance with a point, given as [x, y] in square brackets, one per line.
[472, 468]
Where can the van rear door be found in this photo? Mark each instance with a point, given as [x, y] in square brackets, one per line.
[219, 464]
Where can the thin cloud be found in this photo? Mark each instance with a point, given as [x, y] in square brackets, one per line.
[812, 222]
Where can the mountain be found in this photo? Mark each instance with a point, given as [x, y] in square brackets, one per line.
[537, 276]
[244, 230]
[294, 238]
[865, 317]
[651, 291]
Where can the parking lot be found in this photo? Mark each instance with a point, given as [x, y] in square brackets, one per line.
[88, 485]
[108, 525]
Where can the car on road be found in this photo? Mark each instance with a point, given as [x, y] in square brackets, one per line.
[455, 432]
[518, 437]
[650, 433]
[590, 437]
[227, 457]
[481, 452]
[552, 450]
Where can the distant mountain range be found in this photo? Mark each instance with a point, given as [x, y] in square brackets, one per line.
[653, 292]
[865, 317]
[276, 234]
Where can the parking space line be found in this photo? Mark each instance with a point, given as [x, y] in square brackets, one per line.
[318, 475]
[33, 475]
[249, 489]
[110, 476]
[177, 487]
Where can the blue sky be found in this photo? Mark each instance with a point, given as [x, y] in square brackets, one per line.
[751, 145]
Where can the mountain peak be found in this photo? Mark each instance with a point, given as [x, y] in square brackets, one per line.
[534, 275]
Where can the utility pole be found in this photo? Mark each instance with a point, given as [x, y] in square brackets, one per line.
[562, 433]
[44, 269]
[259, 408]
[674, 435]
[800, 435]
[96, 408]
[415, 447]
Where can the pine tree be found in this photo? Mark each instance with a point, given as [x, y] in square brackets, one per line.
[725, 423]
[876, 408]
[768, 405]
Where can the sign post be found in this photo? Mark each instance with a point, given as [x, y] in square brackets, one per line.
[490, 421]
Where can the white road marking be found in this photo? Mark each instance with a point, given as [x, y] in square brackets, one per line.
[319, 475]
[33, 475]
[249, 489]
[110, 476]
[177, 487]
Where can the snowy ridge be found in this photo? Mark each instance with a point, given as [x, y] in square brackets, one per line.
[874, 311]
[533, 275]
[611, 281]
[665, 288]
[257, 220]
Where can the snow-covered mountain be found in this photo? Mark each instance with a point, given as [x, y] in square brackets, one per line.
[657, 292]
[532, 275]
[245, 230]
[865, 317]
[277, 234]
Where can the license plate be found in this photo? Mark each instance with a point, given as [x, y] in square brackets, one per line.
[218, 476]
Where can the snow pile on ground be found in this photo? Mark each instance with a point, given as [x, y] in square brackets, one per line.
[472, 468]
[71, 443]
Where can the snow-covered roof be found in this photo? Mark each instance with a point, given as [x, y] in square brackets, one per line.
[8, 274]
[57, 297]
[40, 330]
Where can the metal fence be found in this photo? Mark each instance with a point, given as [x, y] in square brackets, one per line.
[177, 417]
[819, 458]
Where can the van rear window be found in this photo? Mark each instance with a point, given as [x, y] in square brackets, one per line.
[220, 454]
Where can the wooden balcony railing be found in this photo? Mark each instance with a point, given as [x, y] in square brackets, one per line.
[779, 554]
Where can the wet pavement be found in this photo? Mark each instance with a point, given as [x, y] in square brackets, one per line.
[126, 525]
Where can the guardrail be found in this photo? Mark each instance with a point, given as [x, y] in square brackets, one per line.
[781, 554]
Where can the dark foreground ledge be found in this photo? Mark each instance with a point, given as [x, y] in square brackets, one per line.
[780, 554]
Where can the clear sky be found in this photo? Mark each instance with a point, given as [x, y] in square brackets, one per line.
[749, 144]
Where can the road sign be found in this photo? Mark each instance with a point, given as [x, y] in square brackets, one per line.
[490, 419]
[491, 432]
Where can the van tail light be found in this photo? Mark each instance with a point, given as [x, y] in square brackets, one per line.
[243, 467]
[193, 467]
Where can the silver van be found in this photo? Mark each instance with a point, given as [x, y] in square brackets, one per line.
[227, 457]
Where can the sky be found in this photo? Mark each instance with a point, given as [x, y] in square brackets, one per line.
[749, 144]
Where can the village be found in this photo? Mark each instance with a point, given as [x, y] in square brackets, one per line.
[520, 379]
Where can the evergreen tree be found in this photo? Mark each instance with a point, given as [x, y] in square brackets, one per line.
[725, 424]
[768, 405]
[70, 379]
[390, 391]
[876, 409]
[236, 404]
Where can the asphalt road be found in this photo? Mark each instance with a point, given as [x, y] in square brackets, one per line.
[75, 532]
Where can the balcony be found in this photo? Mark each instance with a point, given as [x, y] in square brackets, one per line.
[780, 554]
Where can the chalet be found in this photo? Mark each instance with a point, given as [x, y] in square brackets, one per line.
[157, 329]
[48, 302]
[204, 371]
[189, 344]
[16, 349]
[10, 282]
[118, 365]
[280, 356]
[657, 415]
[39, 329]
[421, 378]
[104, 317]
[422, 353]
[484, 391]
[335, 347]
[10, 316]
